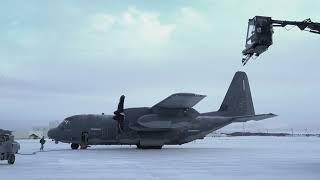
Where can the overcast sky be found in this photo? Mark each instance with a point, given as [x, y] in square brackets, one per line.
[60, 58]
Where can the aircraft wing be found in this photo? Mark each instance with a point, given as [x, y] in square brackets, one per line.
[252, 117]
[180, 101]
[171, 106]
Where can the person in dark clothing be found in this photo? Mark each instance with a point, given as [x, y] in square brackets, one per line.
[84, 140]
[42, 142]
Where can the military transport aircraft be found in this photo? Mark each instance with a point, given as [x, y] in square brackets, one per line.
[170, 122]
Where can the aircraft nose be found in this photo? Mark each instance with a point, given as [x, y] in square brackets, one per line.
[52, 133]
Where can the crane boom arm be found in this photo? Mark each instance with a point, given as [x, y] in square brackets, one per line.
[313, 27]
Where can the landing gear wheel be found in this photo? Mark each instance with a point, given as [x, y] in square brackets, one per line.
[74, 146]
[11, 159]
[138, 146]
[83, 146]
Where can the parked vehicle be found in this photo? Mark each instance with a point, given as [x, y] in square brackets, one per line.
[8, 147]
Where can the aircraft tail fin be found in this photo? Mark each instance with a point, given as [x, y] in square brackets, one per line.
[238, 100]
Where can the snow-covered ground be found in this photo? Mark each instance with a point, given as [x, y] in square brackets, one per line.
[212, 158]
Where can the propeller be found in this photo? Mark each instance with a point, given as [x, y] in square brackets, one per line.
[119, 114]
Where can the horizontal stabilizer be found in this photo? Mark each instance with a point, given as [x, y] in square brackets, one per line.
[180, 100]
[253, 117]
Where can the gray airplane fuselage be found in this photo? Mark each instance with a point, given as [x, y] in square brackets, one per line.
[171, 121]
[102, 129]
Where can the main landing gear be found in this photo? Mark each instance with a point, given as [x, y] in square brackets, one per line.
[74, 146]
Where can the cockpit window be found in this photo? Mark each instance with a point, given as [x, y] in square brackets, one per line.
[66, 124]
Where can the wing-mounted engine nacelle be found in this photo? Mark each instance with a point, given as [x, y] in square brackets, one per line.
[160, 119]
[159, 122]
[173, 112]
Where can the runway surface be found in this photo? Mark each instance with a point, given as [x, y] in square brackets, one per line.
[214, 157]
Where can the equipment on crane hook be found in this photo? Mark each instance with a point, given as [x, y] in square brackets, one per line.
[260, 31]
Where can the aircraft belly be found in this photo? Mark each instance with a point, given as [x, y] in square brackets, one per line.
[152, 142]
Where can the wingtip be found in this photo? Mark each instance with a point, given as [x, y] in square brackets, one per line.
[273, 115]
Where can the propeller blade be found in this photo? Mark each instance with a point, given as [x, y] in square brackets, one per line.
[120, 106]
[119, 115]
[121, 103]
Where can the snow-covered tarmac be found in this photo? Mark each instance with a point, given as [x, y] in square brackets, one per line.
[212, 158]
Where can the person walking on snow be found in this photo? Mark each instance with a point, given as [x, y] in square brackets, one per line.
[42, 142]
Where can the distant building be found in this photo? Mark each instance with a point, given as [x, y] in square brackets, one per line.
[34, 136]
[37, 132]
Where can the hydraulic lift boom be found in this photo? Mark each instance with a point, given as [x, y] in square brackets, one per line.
[260, 30]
